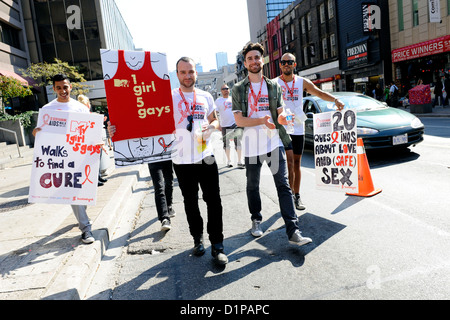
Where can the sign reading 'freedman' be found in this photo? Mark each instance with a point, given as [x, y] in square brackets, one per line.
[357, 54]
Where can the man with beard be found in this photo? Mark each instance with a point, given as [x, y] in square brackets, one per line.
[259, 108]
[293, 87]
[193, 159]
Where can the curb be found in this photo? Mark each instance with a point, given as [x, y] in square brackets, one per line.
[77, 271]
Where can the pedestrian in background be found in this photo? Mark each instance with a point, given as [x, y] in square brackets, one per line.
[229, 129]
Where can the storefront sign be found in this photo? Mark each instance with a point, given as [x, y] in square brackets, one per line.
[423, 49]
[357, 54]
[371, 17]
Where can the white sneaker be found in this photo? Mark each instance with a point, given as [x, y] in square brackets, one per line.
[297, 239]
[165, 225]
[256, 228]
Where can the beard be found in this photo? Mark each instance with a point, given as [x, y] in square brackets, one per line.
[288, 72]
[255, 71]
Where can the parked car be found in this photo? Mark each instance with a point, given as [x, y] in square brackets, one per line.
[378, 125]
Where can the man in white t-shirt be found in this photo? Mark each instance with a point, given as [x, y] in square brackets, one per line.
[193, 159]
[293, 87]
[229, 129]
[62, 87]
[259, 108]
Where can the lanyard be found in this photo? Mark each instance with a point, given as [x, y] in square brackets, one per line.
[255, 98]
[291, 91]
[189, 110]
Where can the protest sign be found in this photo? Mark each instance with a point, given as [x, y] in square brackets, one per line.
[335, 152]
[139, 98]
[66, 157]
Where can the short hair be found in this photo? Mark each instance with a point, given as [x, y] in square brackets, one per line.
[83, 99]
[252, 46]
[185, 59]
[59, 77]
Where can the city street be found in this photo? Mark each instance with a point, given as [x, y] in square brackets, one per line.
[394, 245]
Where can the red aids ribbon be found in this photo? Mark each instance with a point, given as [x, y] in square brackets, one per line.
[87, 171]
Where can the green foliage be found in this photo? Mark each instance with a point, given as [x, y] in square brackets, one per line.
[11, 88]
[26, 118]
[43, 73]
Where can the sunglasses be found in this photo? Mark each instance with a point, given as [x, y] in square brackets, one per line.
[289, 62]
[190, 119]
[225, 88]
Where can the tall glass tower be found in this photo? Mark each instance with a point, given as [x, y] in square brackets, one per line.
[274, 7]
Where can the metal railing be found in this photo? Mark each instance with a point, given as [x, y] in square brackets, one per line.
[15, 137]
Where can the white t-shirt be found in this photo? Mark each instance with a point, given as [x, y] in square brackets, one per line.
[223, 106]
[259, 140]
[294, 101]
[71, 106]
[187, 148]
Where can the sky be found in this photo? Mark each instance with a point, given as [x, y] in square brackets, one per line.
[197, 28]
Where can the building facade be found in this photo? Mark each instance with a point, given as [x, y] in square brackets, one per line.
[420, 41]
[74, 31]
[364, 44]
[14, 54]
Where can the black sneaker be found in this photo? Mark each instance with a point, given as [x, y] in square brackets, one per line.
[219, 256]
[199, 249]
[165, 225]
[87, 237]
[172, 213]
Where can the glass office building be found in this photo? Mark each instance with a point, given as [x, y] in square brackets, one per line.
[74, 31]
[274, 7]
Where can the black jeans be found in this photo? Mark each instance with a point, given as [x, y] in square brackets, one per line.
[205, 174]
[162, 177]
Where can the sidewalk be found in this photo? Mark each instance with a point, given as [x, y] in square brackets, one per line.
[438, 111]
[41, 253]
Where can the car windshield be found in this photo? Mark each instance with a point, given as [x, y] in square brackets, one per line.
[355, 102]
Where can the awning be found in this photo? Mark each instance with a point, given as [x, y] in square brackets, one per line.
[14, 75]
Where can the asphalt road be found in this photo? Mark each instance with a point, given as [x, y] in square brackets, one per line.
[394, 245]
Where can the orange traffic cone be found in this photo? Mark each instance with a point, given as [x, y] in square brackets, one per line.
[365, 184]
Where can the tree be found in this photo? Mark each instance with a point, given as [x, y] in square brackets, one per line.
[43, 72]
[12, 88]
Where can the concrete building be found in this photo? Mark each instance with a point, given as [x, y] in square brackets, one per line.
[14, 54]
[74, 31]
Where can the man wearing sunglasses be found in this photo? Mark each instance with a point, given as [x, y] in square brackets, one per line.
[293, 87]
[193, 159]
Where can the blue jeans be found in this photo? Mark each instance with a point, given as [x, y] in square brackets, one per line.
[276, 160]
[162, 177]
